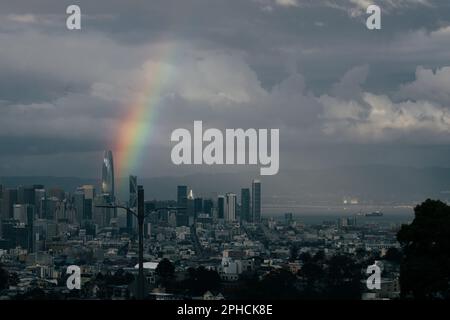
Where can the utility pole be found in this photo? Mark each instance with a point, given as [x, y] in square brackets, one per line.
[140, 218]
[140, 215]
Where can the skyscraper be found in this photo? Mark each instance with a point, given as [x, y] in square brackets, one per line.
[25, 195]
[9, 200]
[133, 192]
[88, 190]
[198, 206]
[231, 207]
[182, 196]
[190, 205]
[78, 202]
[220, 207]
[245, 204]
[208, 206]
[39, 202]
[85, 208]
[256, 201]
[108, 175]
[132, 202]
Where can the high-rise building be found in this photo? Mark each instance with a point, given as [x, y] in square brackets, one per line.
[39, 200]
[198, 206]
[182, 196]
[245, 204]
[25, 195]
[256, 201]
[84, 207]
[9, 200]
[132, 202]
[220, 207]
[87, 214]
[49, 206]
[20, 213]
[208, 206]
[230, 207]
[102, 216]
[78, 201]
[288, 218]
[108, 175]
[88, 190]
[190, 205]
[56, 193]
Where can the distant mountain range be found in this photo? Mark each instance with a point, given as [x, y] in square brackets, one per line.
[368, 184]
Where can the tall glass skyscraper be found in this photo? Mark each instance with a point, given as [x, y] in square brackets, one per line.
[220, 207]
[182, 194]
[108, 175]
[182, 202]
[256, 201]
[132, 203]
[230, 207]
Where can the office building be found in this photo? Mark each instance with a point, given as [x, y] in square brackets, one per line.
[230, 207]
[182, 196]
[198, 206]
[256, 201]
[25, 195]
[208, 206]
[9, 200]
[108, 176]
[220, 207]
[132, 203]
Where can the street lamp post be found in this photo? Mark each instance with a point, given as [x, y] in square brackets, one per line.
[140, 217]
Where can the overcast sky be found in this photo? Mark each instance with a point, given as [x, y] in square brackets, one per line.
[339, 93]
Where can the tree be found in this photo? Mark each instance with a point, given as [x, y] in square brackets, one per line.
[305, 257]
[165, 270]
[312, 272]
[393, 255]
[278, 285]
[319, 256]
[343, 278]
[425, 269]
[201, 280]
[4, 278]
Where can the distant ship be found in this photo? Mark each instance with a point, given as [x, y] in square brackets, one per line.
[374, 214]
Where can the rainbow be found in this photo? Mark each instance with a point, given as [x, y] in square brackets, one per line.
[135, 130]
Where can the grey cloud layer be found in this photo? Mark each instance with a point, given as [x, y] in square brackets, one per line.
[309, 68]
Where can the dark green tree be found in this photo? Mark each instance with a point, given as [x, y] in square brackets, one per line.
[278, 285]
[201, 280]
[425, 269]
[393, 255]
[312, 272]
[305, 257]
[4, 278]
[343, 278]
[165, 270]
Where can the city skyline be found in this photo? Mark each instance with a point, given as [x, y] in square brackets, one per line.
[216, 150]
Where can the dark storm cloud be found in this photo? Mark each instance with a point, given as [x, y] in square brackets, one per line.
[310, 68]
